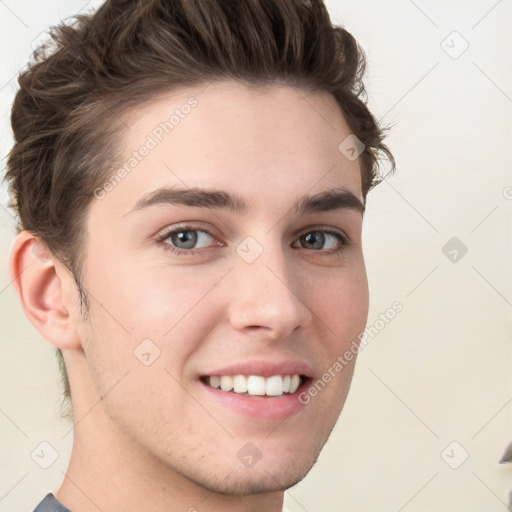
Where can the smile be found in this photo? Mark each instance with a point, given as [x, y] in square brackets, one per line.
[255, 385]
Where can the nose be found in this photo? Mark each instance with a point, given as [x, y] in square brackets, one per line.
[267, 298]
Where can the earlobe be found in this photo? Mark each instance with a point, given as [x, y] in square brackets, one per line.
[40, 291]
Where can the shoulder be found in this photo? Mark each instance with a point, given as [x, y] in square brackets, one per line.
[50, 504]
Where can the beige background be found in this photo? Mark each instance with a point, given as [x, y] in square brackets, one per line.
[440, 371]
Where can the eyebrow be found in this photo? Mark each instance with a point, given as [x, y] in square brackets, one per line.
[333, 199]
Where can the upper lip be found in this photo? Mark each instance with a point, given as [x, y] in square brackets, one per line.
[264, 368]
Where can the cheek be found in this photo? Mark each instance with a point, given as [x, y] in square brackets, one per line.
[161, 311]
[342, 305]
[152, 300]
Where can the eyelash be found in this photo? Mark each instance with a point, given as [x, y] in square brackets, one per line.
[161, 240]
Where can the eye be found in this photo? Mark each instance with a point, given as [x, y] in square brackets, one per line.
[321, 240]
[186, 239]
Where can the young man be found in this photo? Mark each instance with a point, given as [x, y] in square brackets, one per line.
[190, 179]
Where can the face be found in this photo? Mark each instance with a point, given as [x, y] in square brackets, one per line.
[226, 276]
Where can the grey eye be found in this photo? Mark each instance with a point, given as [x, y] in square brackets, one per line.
[313, 240]
[185, 239]
[320, 240]
[189, 239]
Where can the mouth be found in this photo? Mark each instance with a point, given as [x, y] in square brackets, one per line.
[256, 385]
[262, 390]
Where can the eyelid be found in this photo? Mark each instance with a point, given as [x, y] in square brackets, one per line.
[185, 226]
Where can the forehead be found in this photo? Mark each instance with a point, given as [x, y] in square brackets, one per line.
[263, 143]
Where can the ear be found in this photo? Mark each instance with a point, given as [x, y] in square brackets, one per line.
[34, 273]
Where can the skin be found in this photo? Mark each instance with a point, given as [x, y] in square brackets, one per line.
[150, 437]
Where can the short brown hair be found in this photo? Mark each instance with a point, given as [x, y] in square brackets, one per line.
[66, 113]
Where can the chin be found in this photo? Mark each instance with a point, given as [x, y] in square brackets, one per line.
[276, 471]
[248, 482]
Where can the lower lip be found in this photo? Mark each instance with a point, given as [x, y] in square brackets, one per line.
[265, 408]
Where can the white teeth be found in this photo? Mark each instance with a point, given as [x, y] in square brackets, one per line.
[255, 385]
[226, 383]
[240, 384]
[274, 385]
[215, 382]
[294, 383]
